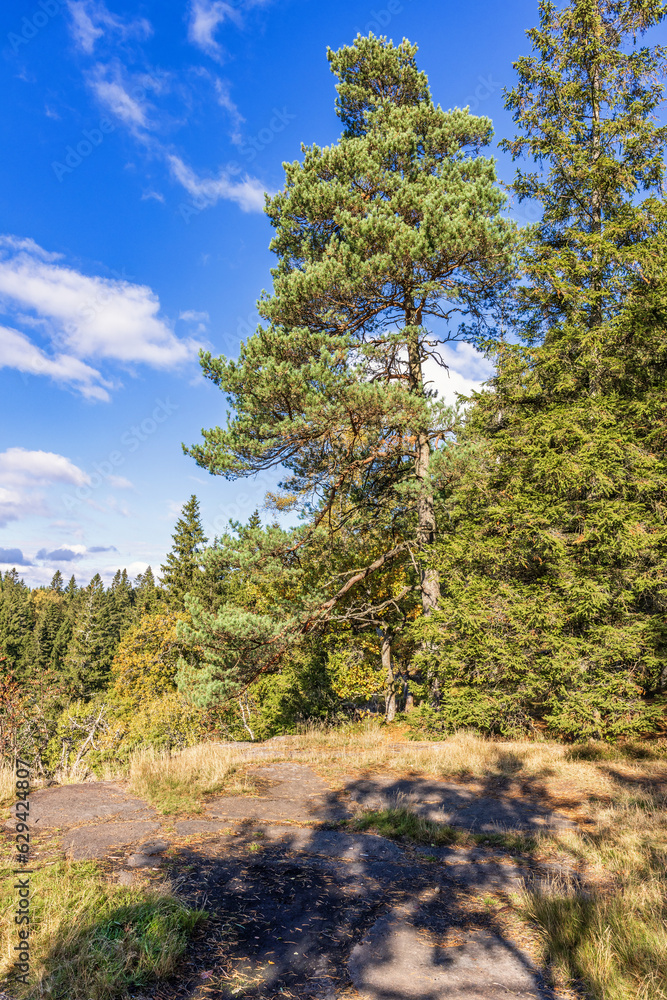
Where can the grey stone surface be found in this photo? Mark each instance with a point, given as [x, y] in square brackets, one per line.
[141, 860]
[334, 843]
[126, 878]
[296, 794]
[455, 805]
[88, 842]
[196, 827]
[71, 805]
[399, 960]
[155, 847]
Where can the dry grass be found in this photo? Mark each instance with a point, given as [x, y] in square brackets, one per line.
[7, 793]
[582, 772]
[179, 783]
[91, 940]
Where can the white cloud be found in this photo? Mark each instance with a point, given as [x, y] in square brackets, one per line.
[152, 195]
[122, 105]
[23, 472]
[225, 101]
[192, 316]
[467, 370]
[83, 316]
[247, 193]
[20, 467]
[206, 16]
[17, 351]
[91, 19]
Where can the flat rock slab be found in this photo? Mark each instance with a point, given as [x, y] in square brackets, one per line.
[399, 959]
[334, 844]
[71, 805]
[88, 842]
[197, 827]
[296, 794]
[455, 805]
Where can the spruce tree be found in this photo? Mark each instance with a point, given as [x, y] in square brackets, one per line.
[182, 572]
[93, 642]
[17, 619]
[381, 238]
[147, 594]
[57, 583]
[554, 608]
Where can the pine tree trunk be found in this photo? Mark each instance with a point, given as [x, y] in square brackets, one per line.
[390, 698]
[426, 526]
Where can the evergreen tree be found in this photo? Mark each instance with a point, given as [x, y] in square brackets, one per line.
[147, 595]
[182, 572]
[49, 620]
[17, 619]
[57, 582]
[93, 642]
[555, 605]
[395, 226]
[120, 602]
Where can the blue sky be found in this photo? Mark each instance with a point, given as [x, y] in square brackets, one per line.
[138, 140]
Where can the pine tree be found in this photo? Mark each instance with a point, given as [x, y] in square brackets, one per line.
[57, 582]
[181, 574]
[555, 607]
[395, 226]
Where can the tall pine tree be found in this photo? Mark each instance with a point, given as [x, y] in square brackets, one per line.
[387, 241]
[182, 572]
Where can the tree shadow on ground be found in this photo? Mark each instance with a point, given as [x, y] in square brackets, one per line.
[288, 919]
[484, 808]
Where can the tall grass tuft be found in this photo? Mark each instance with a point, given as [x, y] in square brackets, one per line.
[94, 941]
[179, 783]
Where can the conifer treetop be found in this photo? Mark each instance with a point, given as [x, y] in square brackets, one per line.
[373, 72]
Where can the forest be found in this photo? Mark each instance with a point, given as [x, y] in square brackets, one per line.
[497, 566]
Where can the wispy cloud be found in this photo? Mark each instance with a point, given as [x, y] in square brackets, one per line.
[83, 317]
[225, 101]
[125, 96]
[206, 16]
[113, 95]
[91, 20]
[248, 193]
